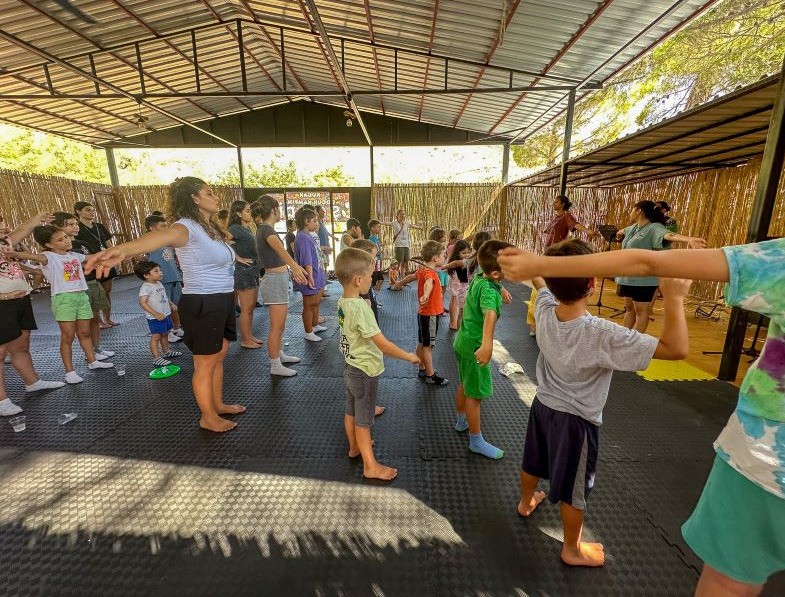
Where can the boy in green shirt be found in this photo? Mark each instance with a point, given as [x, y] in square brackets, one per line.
[363, 346]
[474, 347]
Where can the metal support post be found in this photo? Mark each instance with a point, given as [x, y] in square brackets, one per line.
[567, 140]
[112, 166]
[506, 163]
[760, 219]
[240, 167]
[370, 149]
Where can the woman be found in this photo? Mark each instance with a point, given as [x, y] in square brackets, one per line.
[96, 237]
[306, 255]
[647, 231]
[246, 270]
[207, 303]
[275, 284]
[16, 316]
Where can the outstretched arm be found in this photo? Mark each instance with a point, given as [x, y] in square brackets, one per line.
[26, 228]
[692, 241]
[700, 264]
[392, 350]
[174, 236]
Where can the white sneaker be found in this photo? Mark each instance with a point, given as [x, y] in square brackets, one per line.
[179, 331]
[106, 353]
[99, 356]
[282, 371]
[285, 358]
[319, 328]
[100, 365]
[174, 338]
[72, 378]
[312, 337]
[44, 385]
[8, 408]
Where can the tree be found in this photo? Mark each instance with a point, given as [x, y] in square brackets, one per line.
[40, 153]
[277, 175]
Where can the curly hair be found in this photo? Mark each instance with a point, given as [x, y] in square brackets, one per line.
[181, 205]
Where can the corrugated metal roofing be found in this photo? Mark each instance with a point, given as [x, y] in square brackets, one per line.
[726, 132]
[382, 44]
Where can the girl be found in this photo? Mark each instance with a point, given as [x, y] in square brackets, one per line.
[275, 284]
[70, 303]
[457, 268]
[246, 270]
[207, 305]
[306, 255]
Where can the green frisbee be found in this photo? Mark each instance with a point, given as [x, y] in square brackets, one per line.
[164, 372]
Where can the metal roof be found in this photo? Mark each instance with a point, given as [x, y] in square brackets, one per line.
[726, 132]
[86, 69]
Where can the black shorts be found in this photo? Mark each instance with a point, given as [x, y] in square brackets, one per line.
[427, 328]
[639, 294]
[561, 447]
[15, 315]
[207, 320]
[377, 277]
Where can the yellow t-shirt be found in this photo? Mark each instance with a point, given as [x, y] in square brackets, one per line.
[358, 325]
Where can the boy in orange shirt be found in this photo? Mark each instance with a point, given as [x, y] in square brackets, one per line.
[431, 301]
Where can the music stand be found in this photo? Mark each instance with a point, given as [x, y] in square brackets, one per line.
[608, 232]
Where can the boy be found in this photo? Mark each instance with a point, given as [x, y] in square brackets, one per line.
[158, 309]
[70, 303]
[744, 489]
[578, 354]
[172, 278]
[375, 228]
[363, 346]
[370, 296]
[68, 223]
[431, 306]
[474, 347]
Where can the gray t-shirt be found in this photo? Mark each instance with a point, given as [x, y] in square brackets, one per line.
[267, 255]
[577, 358]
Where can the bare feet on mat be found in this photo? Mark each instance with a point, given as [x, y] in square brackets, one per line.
[321, 319]
[252, 345]
[255, 339]
[588, 554]
[231, 409]
[379, 411]
[218, 424]
[526, 510]
[385, 473]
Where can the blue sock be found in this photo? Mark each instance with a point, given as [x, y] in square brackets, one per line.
[460, 422]
[478, 445]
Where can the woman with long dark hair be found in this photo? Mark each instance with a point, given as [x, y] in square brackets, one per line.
[246, 270]
[647, 231]
[207, 304]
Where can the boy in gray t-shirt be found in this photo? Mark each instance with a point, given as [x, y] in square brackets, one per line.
[578, 354]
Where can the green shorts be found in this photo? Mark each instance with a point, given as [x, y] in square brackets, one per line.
[737, 528]
[97, 296]
[71, 306]
[476, 380]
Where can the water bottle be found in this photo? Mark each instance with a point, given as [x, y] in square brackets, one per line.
[66, 418]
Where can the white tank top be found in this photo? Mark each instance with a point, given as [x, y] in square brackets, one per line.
[207, 264]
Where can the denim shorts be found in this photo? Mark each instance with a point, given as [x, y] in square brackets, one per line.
[174, 290]
[361, 390]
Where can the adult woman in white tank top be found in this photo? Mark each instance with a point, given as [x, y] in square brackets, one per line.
[207, 304]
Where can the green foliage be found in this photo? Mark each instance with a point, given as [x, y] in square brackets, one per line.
[734, 44]
[278, 175]
[31, 151]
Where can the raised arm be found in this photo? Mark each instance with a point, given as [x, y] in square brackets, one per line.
[175, 236]
[26, 228]
[700, 264]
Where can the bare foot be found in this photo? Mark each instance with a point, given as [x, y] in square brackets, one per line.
[231, 409]
[255, 339]
[588, 554]
[218, 425]
[379, 411]
[252, 345]
[526, 510]
[385, 473]
[354, 454]
[321, 319]
[113, 323]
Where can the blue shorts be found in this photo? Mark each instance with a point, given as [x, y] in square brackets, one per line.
[174, 290]
[561, 447]
[160, 326]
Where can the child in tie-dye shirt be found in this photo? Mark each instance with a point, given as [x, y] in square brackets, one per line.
[738, 526]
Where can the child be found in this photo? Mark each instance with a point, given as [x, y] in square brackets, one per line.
[370, 248]
[68, 223]
[353, 233]
[291, 230]
[158, 311]
[70, 303]
[453, 237]
[306, 254]
[578, 354]
[363, 346]
[172, 278]
[401, 241]
[744, 489]
[458, 270]
[375, 228]
[474, 347]
[440, 236]
[431, 305]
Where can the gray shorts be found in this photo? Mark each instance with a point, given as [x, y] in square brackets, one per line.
[401, 254]
[361, 390]
[275, 288]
